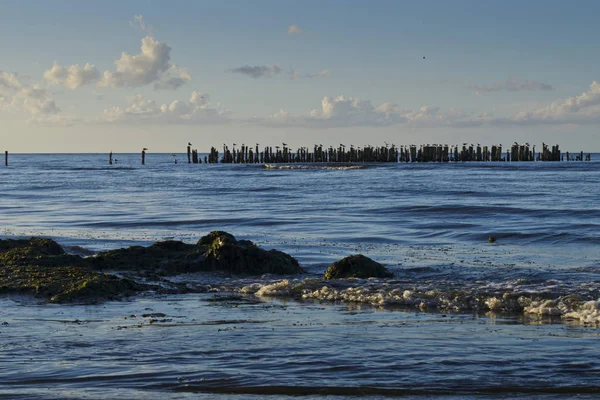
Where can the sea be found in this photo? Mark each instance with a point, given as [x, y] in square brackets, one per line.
[449, 324]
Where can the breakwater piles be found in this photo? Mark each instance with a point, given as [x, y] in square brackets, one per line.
[384, 154]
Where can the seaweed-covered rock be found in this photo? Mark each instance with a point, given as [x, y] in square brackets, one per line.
[64, 284]
[40, 267]
[37, 251]
[216, 251]
[168, 257]
[244, 257]
[356, 266]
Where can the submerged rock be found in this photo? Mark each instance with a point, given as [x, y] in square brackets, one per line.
[244, 257]
[356, 266]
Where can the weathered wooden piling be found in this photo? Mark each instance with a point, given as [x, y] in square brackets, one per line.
[383, 154]
[6, 158]
[189, 153]
[110, 161]
[144, 156]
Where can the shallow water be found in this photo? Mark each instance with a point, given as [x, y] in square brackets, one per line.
[411, 336]
[211, 345]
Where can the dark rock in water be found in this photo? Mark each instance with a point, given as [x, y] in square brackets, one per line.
[216, 251]
[169, 257]
[356, 266]
[40, 267]
[244, 257]
[37, 251]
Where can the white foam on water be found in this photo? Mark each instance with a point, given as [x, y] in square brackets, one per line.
[281, 288]
[589, 313]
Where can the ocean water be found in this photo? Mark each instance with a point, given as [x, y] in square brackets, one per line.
[444, 325]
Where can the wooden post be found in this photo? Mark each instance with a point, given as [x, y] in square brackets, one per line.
[110, 158]
[189, 151]
[6, 158]
[143, 157]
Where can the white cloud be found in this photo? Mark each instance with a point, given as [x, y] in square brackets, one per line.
[73, 76]
[173, 79]
[511, 85]
[345, 111]
[295, 30]
[140, 110]
[15, 95]
[257, 71]
[582, 109]
[139, 22]
[152, 65]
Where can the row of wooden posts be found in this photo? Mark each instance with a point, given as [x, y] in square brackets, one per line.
[425, 153]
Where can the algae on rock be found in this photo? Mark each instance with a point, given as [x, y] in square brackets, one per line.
[41, 267]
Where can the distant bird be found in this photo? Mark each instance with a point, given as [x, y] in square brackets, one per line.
[235, 144]
[285, 144]
[189, 144]
[144, 149]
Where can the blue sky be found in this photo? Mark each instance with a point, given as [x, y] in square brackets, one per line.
[296, 71]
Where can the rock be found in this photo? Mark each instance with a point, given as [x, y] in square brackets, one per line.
[168, 257]
[38, 251]
[217, 251]
[356, 266]
[244, 257]
[40, 267]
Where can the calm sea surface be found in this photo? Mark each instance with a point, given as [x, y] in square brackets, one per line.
[442, 326]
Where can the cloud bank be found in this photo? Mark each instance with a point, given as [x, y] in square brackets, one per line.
[197, 110]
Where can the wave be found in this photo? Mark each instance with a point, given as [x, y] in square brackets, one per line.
[324, 166]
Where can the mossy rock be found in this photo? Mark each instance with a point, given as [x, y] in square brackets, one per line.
[38, 251]
[217, 251]
[169, 257]
[244, 257]
[64, 284]
[357, 266]
[40, 267]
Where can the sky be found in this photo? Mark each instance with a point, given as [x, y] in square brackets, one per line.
[119, 76]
